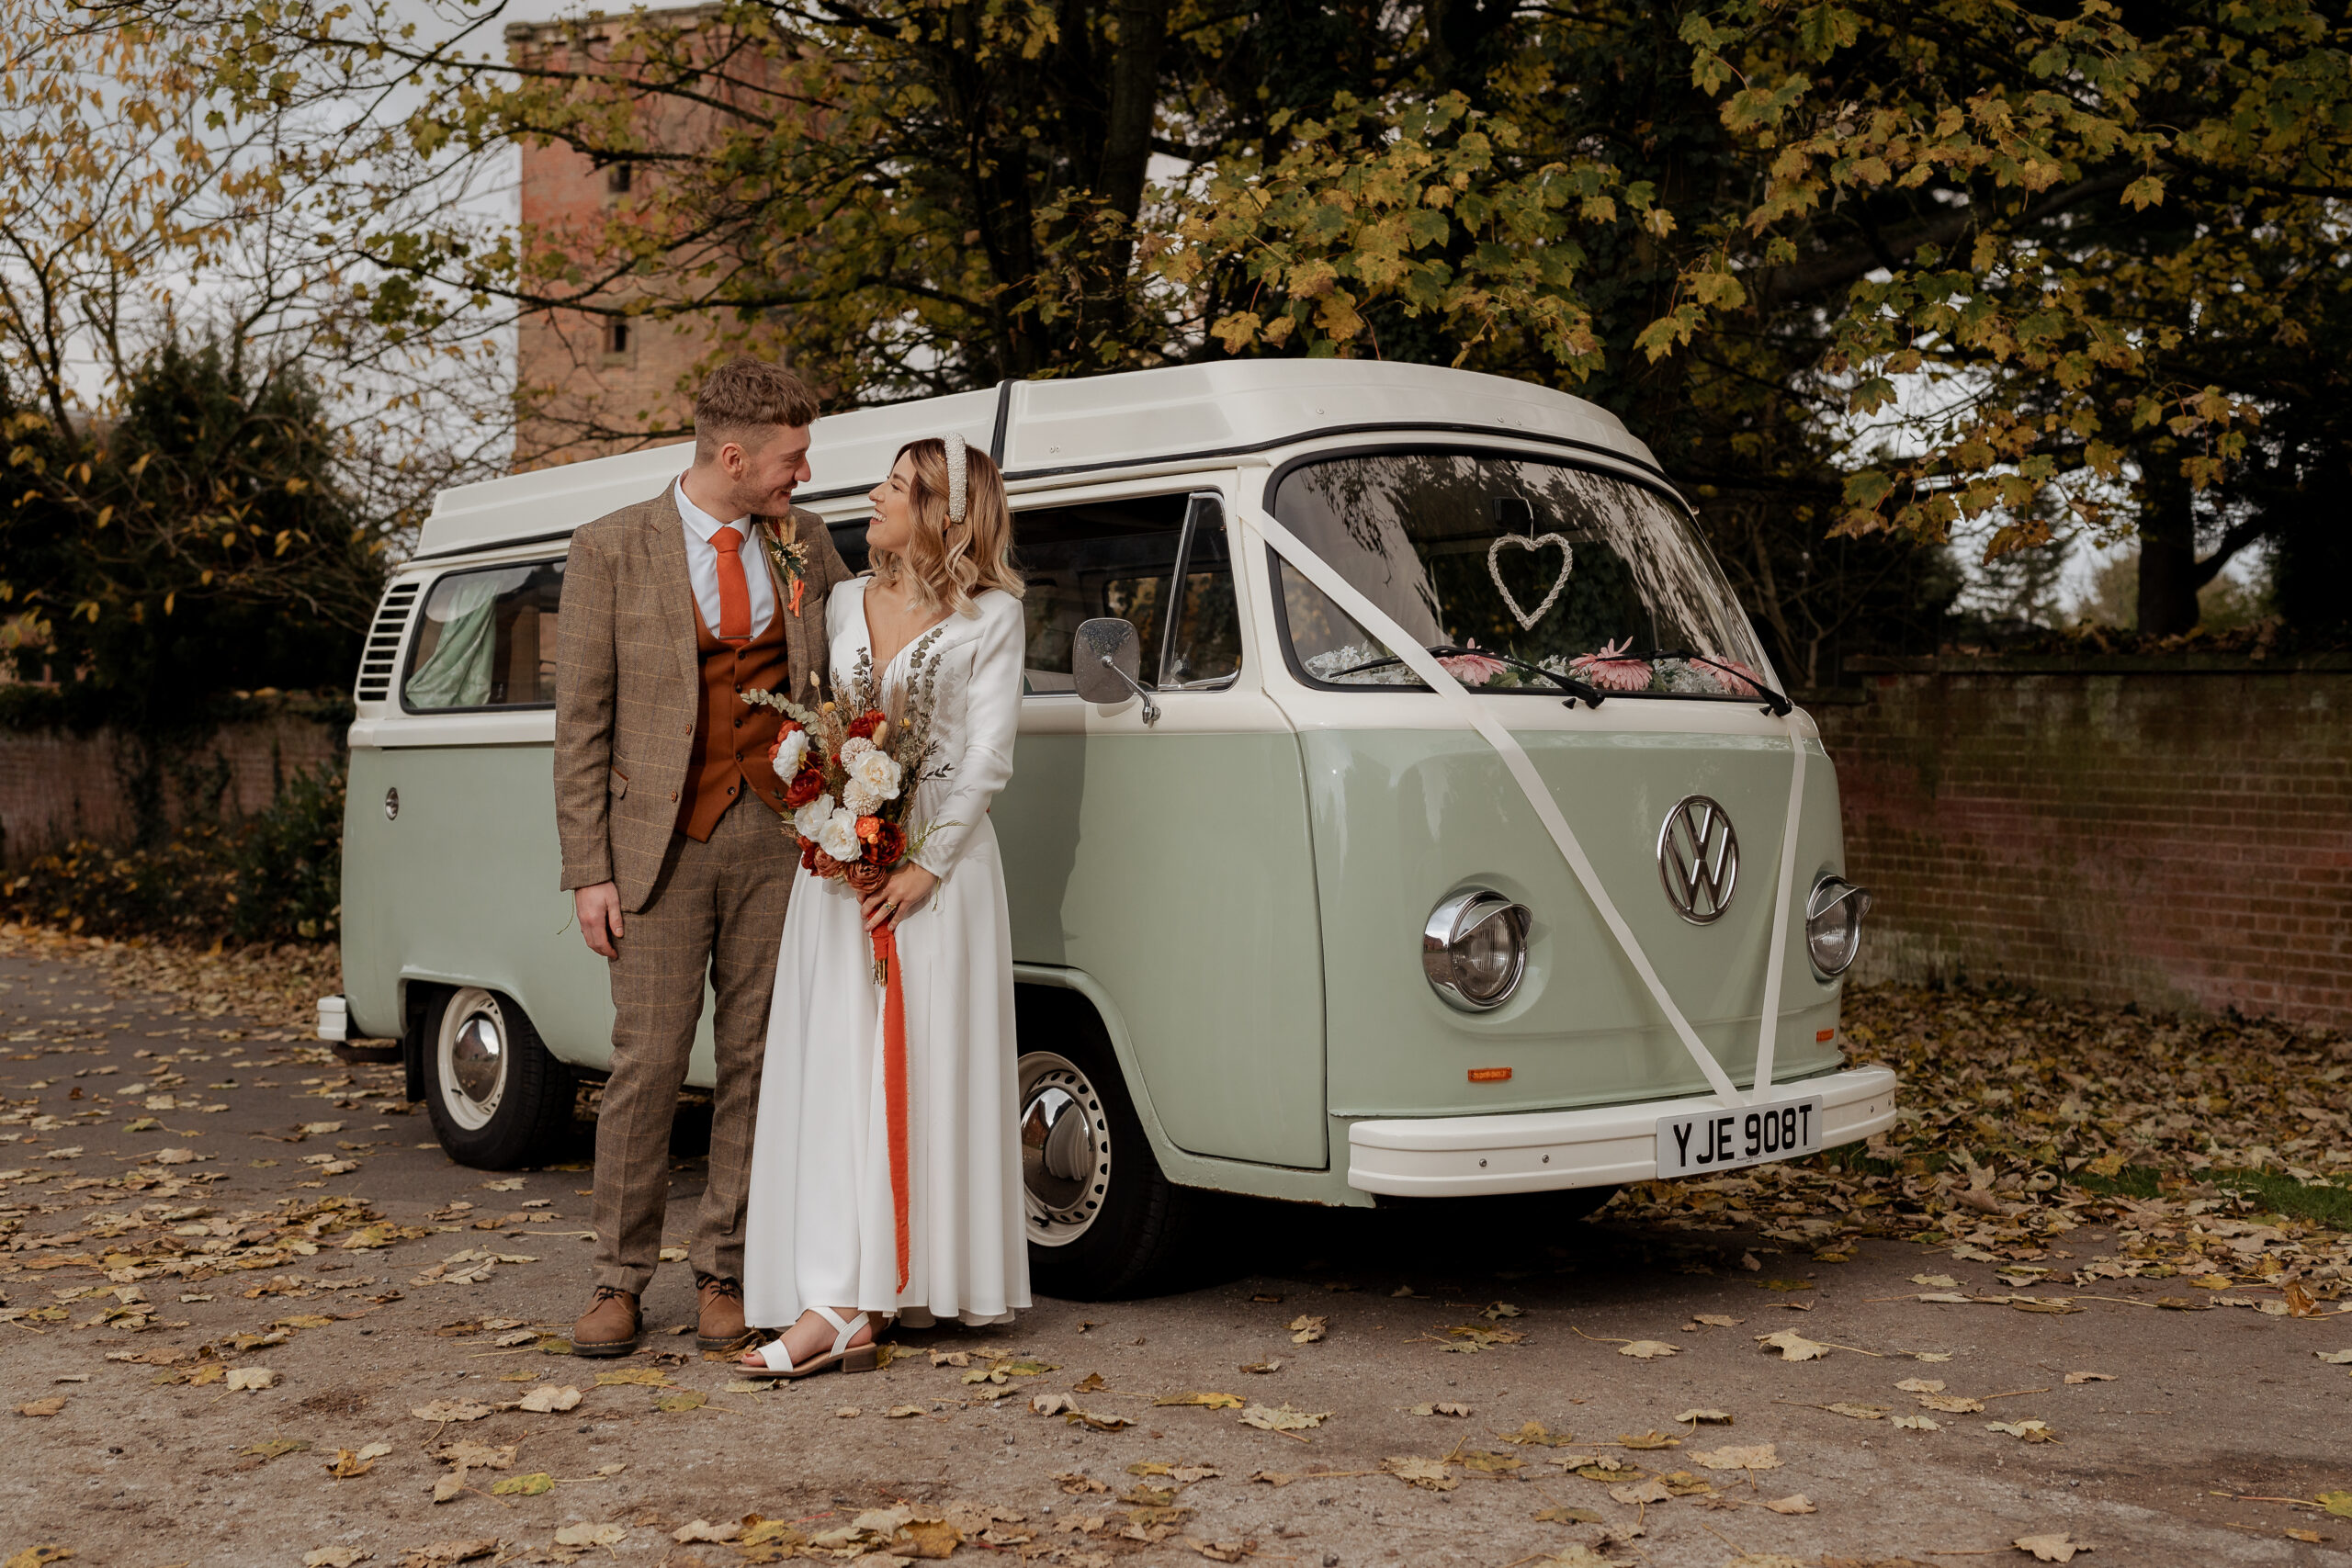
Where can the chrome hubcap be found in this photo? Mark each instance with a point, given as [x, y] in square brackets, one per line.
[472, 1057]
[1065, 1149]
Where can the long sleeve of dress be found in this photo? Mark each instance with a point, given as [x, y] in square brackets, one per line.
[991, 724]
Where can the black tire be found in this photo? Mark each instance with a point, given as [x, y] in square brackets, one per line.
[498, 1101]
[1104, 1222]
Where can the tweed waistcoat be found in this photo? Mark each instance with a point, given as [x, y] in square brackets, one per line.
[731, 736]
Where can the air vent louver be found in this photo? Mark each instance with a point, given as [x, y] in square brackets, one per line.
[383, 649]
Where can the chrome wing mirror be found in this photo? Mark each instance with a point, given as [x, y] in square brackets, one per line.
[1103, 663]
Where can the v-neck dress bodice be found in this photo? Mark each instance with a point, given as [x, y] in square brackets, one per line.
[821, 1229]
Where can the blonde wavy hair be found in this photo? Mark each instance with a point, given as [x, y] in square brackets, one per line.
[947, 563]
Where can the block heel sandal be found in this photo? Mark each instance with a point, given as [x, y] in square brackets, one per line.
[778, 1365]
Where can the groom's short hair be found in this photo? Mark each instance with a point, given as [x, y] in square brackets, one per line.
[742, 401]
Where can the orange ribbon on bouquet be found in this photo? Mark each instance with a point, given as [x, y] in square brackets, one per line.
[894, 1078]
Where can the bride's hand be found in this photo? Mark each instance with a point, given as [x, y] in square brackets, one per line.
[898, 897]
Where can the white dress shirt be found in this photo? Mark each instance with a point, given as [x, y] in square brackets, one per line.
[702, 564]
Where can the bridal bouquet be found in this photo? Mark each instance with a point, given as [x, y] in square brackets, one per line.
[851, 767]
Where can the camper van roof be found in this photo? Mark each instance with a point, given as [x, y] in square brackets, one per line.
[1134, 418]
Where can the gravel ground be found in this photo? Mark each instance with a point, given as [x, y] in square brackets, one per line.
[195, 1199]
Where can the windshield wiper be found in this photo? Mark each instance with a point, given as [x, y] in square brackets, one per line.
[1781, 707]
[1574, 688]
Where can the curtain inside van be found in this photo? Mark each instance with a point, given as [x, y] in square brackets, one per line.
[456, 673]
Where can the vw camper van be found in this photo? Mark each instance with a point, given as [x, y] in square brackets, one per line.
[1404, 808]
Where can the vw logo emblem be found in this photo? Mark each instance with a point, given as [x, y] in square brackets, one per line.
[1698, 859]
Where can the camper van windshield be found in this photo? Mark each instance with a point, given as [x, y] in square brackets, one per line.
[1513, 568]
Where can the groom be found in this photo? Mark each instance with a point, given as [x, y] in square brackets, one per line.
[670, 817]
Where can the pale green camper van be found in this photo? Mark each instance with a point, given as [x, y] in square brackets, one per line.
[1431, 828]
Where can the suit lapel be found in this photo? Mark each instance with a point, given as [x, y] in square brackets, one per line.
[666, 544]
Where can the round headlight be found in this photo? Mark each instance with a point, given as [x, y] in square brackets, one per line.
[1474, 949]
[1833, 923]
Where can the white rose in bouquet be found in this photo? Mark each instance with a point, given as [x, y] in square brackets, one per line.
[791, 750]
[810, 819]
[877, 771]
[838, 838]
[860, 799]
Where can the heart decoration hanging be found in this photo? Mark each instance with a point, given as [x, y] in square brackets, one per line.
[1527, 619]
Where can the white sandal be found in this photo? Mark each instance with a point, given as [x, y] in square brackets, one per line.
[848, 1358]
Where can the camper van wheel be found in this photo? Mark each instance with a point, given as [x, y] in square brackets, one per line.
[497, 1099]
[1103, 1220]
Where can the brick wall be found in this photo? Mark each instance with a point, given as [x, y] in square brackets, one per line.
[56, 786]
[580, 390]
[2172, 831]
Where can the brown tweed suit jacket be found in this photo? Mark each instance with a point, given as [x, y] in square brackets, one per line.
[628, 682]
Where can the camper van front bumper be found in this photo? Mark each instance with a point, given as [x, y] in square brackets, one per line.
[1463, 1156]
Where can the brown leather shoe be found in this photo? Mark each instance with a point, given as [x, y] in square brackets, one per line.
[609, 1326]
[720, 1327]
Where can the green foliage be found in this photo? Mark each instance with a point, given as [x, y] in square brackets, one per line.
[271, 877]
[197, 543]
[1862, 268]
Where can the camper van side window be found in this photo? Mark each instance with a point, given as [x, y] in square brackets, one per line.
[486, 640]
[1159, 561]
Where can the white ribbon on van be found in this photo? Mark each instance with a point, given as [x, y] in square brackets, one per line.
[1421, 663]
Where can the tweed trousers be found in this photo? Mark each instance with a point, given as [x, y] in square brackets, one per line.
[717, 912]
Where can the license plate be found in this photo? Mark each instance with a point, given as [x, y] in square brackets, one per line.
[1709, 1140]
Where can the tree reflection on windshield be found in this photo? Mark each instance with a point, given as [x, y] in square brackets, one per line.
[1581, 573]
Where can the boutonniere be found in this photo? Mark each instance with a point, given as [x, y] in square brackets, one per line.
[791, 558]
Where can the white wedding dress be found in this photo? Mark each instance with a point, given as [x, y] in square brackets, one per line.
[821, 1229]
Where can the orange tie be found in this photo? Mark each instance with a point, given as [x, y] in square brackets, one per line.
[734, 592]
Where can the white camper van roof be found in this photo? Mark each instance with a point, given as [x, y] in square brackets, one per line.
[1040, 429]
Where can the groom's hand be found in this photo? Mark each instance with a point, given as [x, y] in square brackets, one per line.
[599, 908]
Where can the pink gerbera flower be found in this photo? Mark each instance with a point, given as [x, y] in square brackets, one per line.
[1613, 668]
[1472, 669]
[1734, 677]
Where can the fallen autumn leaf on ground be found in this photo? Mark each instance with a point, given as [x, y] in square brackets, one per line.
[1793, 1346]
[1756, 1456]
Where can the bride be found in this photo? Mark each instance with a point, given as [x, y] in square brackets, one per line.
[839, 1232]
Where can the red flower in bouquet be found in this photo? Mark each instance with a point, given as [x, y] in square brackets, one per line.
[868, 828]
[805, 785]
[889, 845]
[809, 854]
[863, 726]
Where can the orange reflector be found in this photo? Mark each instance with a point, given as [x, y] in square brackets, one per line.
[1489, 1075]
[1825, 1034]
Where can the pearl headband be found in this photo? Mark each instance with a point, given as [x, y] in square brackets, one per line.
[955, 485]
